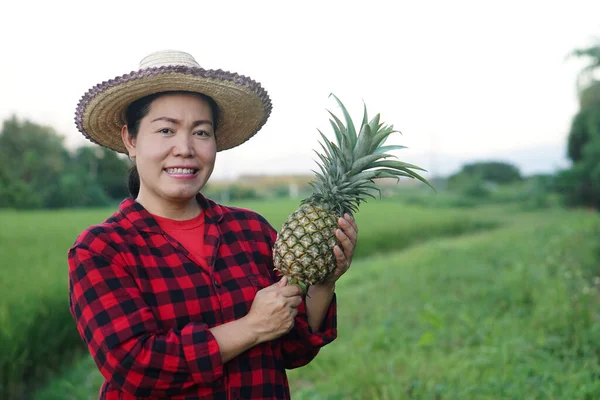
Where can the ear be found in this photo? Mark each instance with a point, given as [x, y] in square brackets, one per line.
[128, 141]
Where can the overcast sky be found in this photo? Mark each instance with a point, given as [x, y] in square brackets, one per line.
[462, 80]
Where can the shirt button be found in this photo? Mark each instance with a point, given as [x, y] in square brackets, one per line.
[216, 283]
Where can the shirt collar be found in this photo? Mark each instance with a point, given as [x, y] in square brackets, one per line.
[142, 220]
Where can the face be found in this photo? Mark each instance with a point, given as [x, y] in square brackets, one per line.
[175, 148]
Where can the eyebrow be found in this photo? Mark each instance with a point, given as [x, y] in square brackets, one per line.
[177, 122]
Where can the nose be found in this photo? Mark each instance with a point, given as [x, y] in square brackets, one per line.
[183, 146]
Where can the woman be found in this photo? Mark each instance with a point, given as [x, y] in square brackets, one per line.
[175, 295]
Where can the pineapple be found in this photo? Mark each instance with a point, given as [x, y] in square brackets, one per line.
[303, 251]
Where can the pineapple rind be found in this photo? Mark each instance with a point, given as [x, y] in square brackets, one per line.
[303, 252]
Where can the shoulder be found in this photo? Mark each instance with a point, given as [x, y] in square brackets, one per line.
[102, 238]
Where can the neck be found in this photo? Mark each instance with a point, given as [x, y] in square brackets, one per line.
[168, 208]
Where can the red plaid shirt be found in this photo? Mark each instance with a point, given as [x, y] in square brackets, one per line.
[144, 308]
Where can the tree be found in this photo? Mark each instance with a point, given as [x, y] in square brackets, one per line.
[580, 184]
[33, 157]
[584, 127]
[37, 171]
[585, 78]
[104, 167]
[490, 171]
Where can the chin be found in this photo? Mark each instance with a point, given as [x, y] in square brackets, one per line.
[183, 194]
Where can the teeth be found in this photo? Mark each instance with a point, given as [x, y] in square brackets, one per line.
[180, 170]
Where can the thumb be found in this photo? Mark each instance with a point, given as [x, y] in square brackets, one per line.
[283, 282]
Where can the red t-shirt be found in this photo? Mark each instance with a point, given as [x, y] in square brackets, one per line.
[189, 233]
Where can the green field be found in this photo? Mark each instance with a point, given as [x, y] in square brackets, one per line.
[440, 303]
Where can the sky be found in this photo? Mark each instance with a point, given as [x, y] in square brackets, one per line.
[463, 80]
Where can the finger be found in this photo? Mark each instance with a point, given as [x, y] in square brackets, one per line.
[347, 244]
[348, 230]
[352, 221]
[340, 257]
[291, 291]
[293, 312]
[282, 282]
[295, 301]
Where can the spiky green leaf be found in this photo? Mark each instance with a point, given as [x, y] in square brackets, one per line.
[349, 123]
[366, 162]
[374, 123]
[365, 120]
[384, 149]
[363, 143]
[341, 127]
[380, 137]
[337, 132]
[397, 165]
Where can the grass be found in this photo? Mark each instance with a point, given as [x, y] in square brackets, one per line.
[506, 314]
[509, 314]
[36, 329]
[37, 332]
[380, 220]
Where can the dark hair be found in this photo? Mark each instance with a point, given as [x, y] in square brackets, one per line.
[138, 110]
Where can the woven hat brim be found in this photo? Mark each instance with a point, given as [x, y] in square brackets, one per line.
[244, 106]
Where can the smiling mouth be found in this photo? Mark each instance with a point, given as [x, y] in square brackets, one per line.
[181, 171]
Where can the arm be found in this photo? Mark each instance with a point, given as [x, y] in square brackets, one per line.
[271, 315]
[316, 324]
[318, 300]
[234, 338]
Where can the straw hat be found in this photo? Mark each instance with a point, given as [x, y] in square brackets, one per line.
[244, 106]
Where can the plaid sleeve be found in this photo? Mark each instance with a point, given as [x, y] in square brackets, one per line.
[301, 345]
[123, 337]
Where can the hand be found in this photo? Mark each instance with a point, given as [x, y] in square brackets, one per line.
[274, 309]
[348, 236]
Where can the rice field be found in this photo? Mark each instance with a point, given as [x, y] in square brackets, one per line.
[489, 303]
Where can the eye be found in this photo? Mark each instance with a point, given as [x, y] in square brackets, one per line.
[165, 131]
[201, 133]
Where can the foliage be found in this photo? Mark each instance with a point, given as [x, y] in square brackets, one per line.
[39, 172]
[592, 54]
[580, 184]
[539, 192]
[36, 329]
[495, 172]
[531, 193]
[585, 127]
[239, 192]
[476, 188]
[590, 95]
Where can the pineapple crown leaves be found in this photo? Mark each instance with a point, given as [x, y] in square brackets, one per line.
[349, 166]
